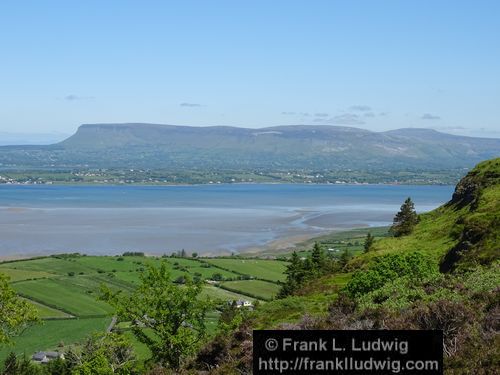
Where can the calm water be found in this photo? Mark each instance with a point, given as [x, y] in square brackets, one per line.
[205, 218]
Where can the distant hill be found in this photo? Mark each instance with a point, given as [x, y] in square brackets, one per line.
[280, 147]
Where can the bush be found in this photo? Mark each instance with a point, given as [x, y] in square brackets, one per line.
[180, 280]
[415, 266]
[217, 277]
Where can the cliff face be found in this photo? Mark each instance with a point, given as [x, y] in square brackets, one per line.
[478, 194]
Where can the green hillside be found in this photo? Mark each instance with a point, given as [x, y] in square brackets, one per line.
[443, 275]
[462, 233]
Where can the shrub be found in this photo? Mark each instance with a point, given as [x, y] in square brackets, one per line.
[414, 266]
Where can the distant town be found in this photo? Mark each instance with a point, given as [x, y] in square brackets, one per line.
[164, 177]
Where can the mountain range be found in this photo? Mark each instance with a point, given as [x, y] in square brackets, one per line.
[153, 146]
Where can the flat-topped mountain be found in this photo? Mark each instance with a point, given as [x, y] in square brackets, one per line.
[286, 147]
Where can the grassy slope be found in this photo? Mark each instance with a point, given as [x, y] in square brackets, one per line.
[431, 236]
[435, 235]
[475, 204]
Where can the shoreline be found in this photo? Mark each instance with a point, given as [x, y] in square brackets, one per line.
[90, 184]
[277, 246]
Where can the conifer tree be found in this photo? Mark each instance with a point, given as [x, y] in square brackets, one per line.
[368, 242]
[318, 259]
[405, 220]
[295, 274]
[10, 365]
[344, 257]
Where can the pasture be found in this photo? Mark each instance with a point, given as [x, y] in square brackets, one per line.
[53, 333]
[254, 288]
[272, 270]
[64, 290]
[63, 295]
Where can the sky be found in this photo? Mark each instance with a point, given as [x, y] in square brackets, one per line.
[377, 65]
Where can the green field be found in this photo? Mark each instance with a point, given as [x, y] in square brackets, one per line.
[253, 288]
[52, 333]
[50, 265]
[63, 295]
[221, 294]
[20, 274]
[65, 286]
[258, 268]
[46, 312]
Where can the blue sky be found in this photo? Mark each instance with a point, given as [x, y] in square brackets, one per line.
[377, 65]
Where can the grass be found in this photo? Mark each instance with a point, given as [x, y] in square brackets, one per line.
[53, 332]
[254, 288]
[64, 296]
[259, 268]
[221, 294]
[19, 275]
[46, 312]
[110, 263]
[50, 265]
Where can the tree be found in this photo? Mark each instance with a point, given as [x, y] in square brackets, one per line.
[318, 258]
[15, 313]
[344, 257]
[169, 319]
[194, 255]
[217, 277]
[405, 220]
[109, 352]
[368, 242]
[24, 366]
[58, 366]
[299, 271]
[10, 365]
[294, 275]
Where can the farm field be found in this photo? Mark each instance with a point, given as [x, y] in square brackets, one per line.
[336, 243]
[221, 294]
[64, 290]
[272, 270]
[62, 295]
[20, 275]
[255, 288]
[46, 312]
[52, 333]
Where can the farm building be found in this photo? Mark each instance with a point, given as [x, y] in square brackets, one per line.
[45, 357]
